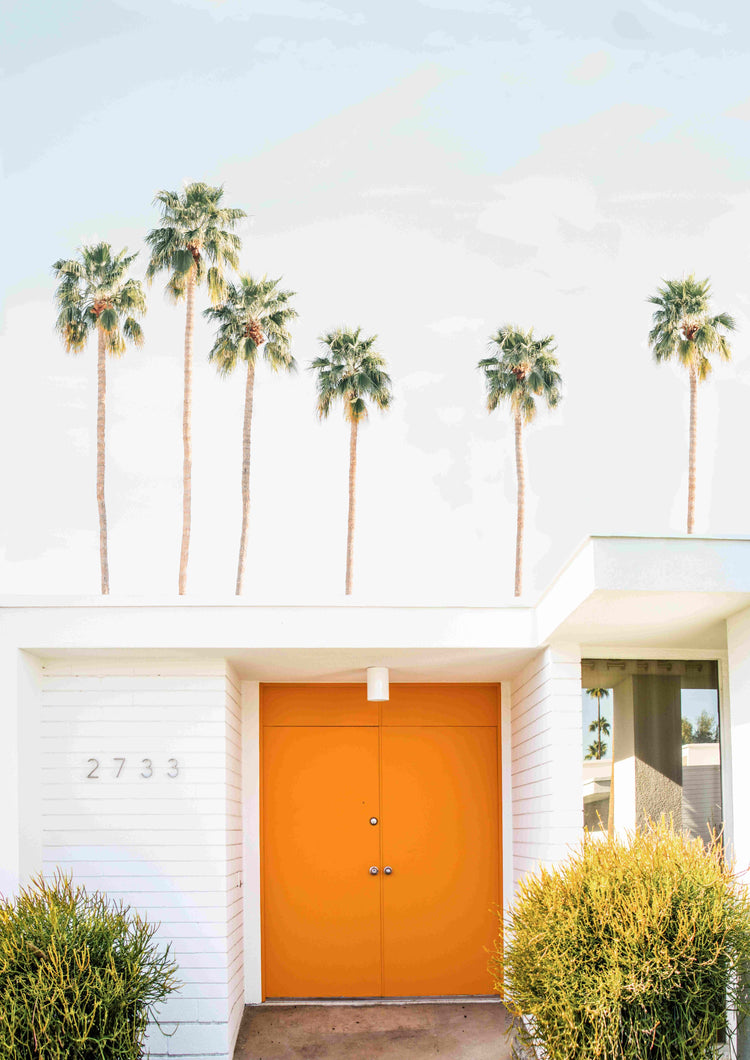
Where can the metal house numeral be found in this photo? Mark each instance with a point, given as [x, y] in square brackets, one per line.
[146, 772]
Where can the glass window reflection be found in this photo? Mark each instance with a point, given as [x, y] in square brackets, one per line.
[651, 745]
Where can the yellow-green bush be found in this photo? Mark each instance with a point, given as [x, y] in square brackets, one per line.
[631, 949]
[79, 976]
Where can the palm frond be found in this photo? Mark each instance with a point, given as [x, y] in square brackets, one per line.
[248, 311]
[350, 372]
[193, 226]
[94, 292]
[683, 327]
[522, 368]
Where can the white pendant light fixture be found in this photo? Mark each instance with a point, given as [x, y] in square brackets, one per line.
[377, 683]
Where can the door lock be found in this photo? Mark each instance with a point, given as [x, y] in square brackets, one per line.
[388, 870]
[373, 870]
[373, 820]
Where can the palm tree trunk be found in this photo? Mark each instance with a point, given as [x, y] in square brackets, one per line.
[599, 727]
[693, 447]
[520, 501]
[352, 506]
[101, 403]
[246, 431]
[187, 441]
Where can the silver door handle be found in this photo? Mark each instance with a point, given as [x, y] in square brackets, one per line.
[373, 870]
[388, 870]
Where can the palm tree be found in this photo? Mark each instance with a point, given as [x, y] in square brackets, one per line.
[94, 293]
[600, 725]
[599, 694]
[596, 751]
[194, 243]
[684, 327]
[522, 369]
[352, 372]
[253, 318]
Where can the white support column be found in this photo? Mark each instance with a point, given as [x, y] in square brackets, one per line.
[20, 770]
[738, 645]
[546, 743]
[736, 753]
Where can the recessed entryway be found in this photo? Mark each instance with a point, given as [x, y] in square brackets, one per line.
[458, 1031]
[380, 840]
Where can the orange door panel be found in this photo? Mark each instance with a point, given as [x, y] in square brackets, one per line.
[321, 907]
[440, 837]
[425, 764]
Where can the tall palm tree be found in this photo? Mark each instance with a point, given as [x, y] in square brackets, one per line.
[522, 369]
[95, 294]
[194, 243]
[252, 319]
[685, 328]
[600, 725]
[599, 694]
[352, 372]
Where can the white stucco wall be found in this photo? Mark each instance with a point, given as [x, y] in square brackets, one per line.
[170, 846]
[546, 739]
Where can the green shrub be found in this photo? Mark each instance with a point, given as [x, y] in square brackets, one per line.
[630, 950]
[79, 976]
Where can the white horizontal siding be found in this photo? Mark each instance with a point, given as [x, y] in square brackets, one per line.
[545, 760]
[170, 847]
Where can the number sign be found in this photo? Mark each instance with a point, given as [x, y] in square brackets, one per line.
[117, 768]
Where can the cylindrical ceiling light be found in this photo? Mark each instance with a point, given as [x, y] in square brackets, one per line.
[377, 683]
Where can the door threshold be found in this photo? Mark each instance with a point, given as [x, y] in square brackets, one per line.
[458, 999]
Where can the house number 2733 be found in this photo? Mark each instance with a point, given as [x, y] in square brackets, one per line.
[144, 768]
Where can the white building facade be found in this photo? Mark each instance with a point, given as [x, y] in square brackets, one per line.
[133, 733]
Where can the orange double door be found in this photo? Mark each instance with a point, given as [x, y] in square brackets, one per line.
[380, 840]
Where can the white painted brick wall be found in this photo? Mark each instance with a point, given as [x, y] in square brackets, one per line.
[169, 847]
[546, 776]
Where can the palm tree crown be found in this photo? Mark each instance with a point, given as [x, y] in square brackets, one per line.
[95, 292]
[195, 236]
[523, 369]
[683, 326]
[253, 316]
[351, 372]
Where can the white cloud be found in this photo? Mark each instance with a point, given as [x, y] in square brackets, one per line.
[309, 10]
[454, 325]
[686, 19]
[591, 68]
[530, 210]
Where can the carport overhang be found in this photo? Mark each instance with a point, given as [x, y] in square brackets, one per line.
[652, 592]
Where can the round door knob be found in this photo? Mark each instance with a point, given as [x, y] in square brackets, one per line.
[373, 820]
[388, 870]
[373, 870]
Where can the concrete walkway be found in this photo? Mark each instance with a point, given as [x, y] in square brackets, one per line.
[454, 1031]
